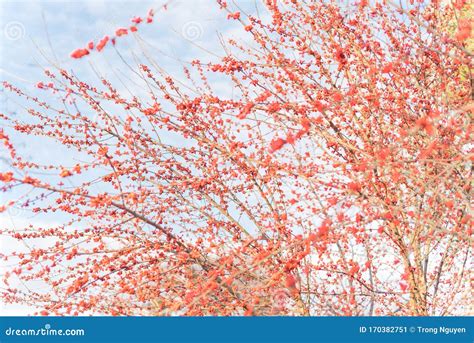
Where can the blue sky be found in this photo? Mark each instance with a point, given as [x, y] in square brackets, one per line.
[26, 26]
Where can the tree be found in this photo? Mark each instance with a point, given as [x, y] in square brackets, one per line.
[335, 181]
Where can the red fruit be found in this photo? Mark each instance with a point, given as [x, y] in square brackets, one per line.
[318, 105]
[312, 237]
[102, 43]
[426, 124]
[6, 177]
[387, 68]
[337, 97]
[235, 15]
[249, 311]
[354, 186]
[449, 204]
[137, 20]
[340, 56]
[383, 154]
[277, 144]
[464, 30]
[65, 173]
[245, 110]
[354, 269]
[79, 53]
[458, 4]
[323, 230]
[290, 138]
[290, 281]
[121, 32]
[306, 124]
